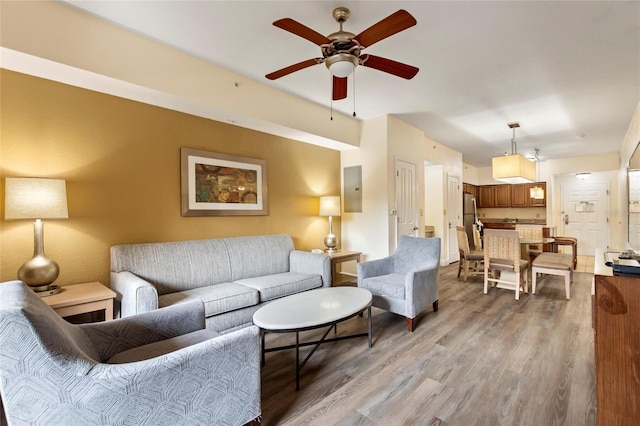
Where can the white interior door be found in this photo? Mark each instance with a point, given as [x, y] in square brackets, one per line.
[406, 199]
[453, 215]
[585, 215]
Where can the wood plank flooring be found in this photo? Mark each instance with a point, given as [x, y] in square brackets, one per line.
[480, 360]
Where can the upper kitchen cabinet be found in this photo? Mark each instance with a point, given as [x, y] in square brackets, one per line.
[470, 189]
[520, 195]
[516, 196]
[502, 196]
[537, 193]
[485, 196]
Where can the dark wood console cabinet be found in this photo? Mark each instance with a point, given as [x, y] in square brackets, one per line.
[617, 350]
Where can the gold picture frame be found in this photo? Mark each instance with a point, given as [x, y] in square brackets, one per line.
[214, 184]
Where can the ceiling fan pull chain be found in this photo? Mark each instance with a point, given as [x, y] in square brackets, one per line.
[331, 103]
[354, 92]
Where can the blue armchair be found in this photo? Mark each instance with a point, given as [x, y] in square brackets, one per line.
[160, 367]
[406, 282]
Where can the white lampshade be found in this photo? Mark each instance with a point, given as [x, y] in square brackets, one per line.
[342, 64]
[35, 198]
[513, 168]
[330, 206]
[341, 69]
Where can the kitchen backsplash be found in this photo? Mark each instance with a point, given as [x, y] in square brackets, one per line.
[495, 214]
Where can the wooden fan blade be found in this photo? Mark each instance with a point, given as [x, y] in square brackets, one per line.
[293, 68]
[300, 30]
[392, 67]
[339, 88]
[392, 24]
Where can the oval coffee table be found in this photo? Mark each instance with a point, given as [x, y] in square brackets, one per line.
[324, 307]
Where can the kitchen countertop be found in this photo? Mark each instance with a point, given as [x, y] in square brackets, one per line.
[514, 221]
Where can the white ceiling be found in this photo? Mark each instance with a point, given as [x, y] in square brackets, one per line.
[567, 71]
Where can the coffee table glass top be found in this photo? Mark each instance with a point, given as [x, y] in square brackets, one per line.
[312, 308]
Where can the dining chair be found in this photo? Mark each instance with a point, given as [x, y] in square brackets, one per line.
[502, 254]
[471, 261]
[477, 239]
[571, 242]
[531, 232]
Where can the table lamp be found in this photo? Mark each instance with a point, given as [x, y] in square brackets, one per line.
[330, 206]
[37, 198]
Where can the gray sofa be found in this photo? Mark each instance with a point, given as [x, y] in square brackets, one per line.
[232, 276]
[160, 367]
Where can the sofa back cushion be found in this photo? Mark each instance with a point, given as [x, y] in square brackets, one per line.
[175, 266]
[258, 255]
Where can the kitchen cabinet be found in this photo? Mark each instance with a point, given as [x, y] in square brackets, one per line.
[485, 196]
[502, 196]
[470, 189]
[520, 195]
[537, 202]
[516, 196]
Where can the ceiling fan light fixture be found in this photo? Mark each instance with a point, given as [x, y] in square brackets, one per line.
[341, 64]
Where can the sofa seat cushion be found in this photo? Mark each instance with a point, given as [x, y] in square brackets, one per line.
[391, 285]
[280, 285]
[162, 347]
[218, 298]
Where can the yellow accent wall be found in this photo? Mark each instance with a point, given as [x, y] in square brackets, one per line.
[121, 161]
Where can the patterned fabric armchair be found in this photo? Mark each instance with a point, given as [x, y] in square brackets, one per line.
[160, 367]
[406, 282]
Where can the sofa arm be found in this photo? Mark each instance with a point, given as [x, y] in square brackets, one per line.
[133, 294]
[375, 268]
[311, 263]
[112, 337]
[421, 288]
[213, 382]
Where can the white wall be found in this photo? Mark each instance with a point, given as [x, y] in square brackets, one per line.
[434, 193]
[367, 232]
[383, 140]
[469, 174]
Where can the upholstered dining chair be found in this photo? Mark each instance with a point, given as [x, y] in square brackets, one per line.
[477, 239]
[406, 282]
[160, 367]
[571, 242]
[531, 232]
[502, 254]
[471, 261]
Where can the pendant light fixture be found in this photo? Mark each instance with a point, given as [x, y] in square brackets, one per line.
[536, 192]
[514, 168]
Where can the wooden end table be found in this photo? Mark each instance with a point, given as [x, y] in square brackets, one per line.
[82, 298]
[340, 257]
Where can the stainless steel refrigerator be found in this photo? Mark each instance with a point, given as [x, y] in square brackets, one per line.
[469, 216]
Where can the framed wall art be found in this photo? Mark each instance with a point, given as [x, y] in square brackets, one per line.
[214, 184]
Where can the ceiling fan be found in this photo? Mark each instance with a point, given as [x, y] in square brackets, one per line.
[342, 50]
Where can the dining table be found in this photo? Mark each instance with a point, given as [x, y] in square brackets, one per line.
[525, 253]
